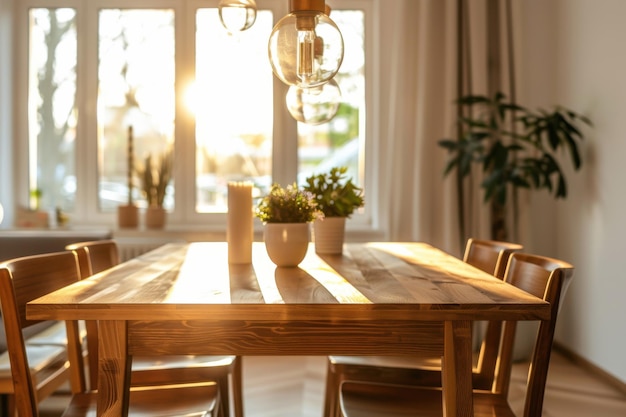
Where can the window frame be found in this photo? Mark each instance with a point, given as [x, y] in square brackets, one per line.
[184, 216]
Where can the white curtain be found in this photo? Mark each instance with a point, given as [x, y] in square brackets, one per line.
[419, 87]
[417, 93]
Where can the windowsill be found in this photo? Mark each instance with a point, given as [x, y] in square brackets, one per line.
[188, 233]
[28, 232]
[195, 234]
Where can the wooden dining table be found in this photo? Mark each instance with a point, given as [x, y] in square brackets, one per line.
[377, 298]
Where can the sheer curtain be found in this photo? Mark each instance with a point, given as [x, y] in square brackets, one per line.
[420, 83]
[417, 94]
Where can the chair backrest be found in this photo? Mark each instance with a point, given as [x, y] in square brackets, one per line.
[23, 280]
[546, 278]
[94, 257]
[490, 256]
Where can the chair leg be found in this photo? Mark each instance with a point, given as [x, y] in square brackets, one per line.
[331, 399]
[224, 389]
[237, 383]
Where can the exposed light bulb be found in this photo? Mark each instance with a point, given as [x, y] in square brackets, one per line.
[315, 105]
[305, 56]
[306, 47]
[237, 15]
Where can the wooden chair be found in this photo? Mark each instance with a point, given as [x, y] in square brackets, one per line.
[46, 349]
[97, 256]
[27, 278]
[543, 277]
[487, 255]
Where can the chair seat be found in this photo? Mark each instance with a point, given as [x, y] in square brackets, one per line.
[193, 361]
[39, 357]
[28, 332]
[45, 363]
[179, 368]
[188, 400]
[387, 400]
[389, 361]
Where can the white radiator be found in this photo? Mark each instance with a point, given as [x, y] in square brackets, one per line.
[132, 247]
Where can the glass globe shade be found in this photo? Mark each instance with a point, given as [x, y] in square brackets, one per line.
[315, 105]
[237, 15]
[305, 49]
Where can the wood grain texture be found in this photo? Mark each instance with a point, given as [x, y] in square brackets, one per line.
[382, 281]
[375, 298]
[285, 337]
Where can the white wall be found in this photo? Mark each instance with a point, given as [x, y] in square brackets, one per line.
[573, 54]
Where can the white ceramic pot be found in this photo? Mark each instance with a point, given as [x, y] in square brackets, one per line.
[286, 243]
[328, 235]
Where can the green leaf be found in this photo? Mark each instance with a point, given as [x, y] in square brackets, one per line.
[516, 147]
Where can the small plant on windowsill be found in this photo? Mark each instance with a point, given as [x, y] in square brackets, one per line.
[286, 214]
[337, 197]
[155, 178]
[154, 181]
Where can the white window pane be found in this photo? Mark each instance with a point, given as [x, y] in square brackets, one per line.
[339, 142]
[233, 106]
[52, 108]
[136, 88]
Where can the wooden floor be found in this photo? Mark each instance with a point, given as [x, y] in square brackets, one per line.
[294, 387]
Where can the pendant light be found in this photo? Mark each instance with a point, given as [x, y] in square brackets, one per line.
[237, 15]
[306, 47]
[315, 105]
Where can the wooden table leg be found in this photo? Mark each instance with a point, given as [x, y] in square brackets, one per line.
[114, 372]
[457, 370]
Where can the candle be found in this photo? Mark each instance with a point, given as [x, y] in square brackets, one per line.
[239, 230]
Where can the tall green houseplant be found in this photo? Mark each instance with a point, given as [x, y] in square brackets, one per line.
[516, 148]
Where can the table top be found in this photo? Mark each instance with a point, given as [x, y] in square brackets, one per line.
[370, 281]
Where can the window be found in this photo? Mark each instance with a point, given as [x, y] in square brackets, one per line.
[234, 126]
[132, 94]
[169, 71]
[52, 107]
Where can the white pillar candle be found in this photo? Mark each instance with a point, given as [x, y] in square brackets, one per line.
[239, 230]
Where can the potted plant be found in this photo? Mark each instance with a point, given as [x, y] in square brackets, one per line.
[515, 148]
[286, 214]
[154, 182]
[337, 197]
